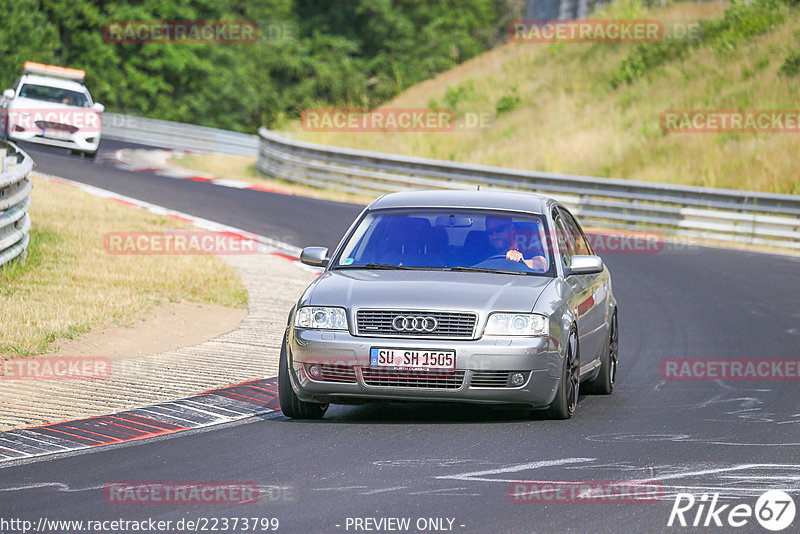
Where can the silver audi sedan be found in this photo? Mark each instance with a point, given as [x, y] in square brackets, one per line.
[454, 296]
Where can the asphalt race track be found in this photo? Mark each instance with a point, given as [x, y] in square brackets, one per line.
[451, 468]
[288, 218]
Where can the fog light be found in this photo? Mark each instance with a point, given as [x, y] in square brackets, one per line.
[313, 370]
[517, 379]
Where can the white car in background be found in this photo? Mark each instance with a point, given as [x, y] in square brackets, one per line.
[50, 105]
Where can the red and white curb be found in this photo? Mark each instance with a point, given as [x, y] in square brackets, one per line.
[224, 405]
[155, 161]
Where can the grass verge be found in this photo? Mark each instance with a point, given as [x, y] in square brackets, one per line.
[594, 108]
[69, 283]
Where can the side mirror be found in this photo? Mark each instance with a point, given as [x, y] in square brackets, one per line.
[8, 93]
[315, 256]
[99, 107]
[585, 264]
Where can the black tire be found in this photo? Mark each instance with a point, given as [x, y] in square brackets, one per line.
[84, 154]
[604, 383]
[563, 406]
[291, 406]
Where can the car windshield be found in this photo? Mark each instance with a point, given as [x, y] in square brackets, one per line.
[54, 94]
[456, 240]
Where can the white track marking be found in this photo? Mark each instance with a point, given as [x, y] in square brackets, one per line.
[382, 490]
[477, 476]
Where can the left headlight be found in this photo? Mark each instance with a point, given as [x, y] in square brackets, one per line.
[323, 318]
[517, 324]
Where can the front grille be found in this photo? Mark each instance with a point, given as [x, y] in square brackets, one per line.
[48, 125]
[336, 373]
[413, 379]
[489, 379]
[449, 324]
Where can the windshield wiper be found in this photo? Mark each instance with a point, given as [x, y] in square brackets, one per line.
[384, 266]
[483, 270]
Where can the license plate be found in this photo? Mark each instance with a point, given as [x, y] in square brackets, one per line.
[412, 359]
[56, 134]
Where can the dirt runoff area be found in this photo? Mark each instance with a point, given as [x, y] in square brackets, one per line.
[159, 329]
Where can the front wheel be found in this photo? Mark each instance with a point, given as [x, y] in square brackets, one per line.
[604, 383]
[563, 406]
[291, 405]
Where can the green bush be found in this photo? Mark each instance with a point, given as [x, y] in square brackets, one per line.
[508, 102]
[791, 67]
[455, 95]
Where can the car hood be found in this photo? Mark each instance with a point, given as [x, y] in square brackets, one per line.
[426, 290]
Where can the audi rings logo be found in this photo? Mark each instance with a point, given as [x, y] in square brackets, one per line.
[408, 323]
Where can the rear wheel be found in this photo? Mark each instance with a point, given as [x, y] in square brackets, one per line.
[291, 405]
[563, 406]
[604, 383]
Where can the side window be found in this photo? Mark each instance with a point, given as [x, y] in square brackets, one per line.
[581, 244]
[566, 245]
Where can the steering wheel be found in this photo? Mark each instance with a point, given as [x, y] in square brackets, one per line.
[499, 261]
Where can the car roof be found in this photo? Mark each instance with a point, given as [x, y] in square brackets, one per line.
[50, 81]
[500, 200]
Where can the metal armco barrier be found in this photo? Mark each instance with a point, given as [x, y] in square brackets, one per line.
[15, 201]
[177, 135]
[694, 212]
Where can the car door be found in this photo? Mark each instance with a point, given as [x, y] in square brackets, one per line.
[594, 297]
[578, 294]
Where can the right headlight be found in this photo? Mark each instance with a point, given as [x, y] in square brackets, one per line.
[517, 324]
[321, 317]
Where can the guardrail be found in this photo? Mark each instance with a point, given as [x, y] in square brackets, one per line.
[15, 202]
[695, 212]
[177, 135]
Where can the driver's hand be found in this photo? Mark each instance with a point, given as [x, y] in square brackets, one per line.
[514, 255]
[538, 263]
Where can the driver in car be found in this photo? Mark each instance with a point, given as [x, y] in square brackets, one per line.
[502, 237]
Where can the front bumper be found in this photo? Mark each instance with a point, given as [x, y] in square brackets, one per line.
[537, 358]
[83, 141]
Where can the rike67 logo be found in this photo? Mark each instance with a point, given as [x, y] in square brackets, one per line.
[774, 510]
